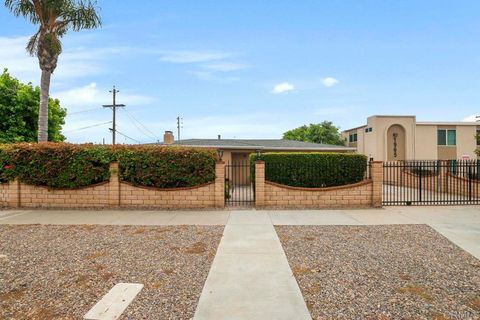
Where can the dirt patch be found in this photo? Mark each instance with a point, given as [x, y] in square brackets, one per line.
[60, 272]
[382, 272]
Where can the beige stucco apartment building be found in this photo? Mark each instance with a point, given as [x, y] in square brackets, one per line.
[389, 138]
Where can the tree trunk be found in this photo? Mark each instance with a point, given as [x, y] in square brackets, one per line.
[43, 111]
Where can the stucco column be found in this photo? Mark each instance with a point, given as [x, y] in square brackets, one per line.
[114, 186]
[259, 183]
[220, 184]
[377, 179]
[442, 176]
[13, 194]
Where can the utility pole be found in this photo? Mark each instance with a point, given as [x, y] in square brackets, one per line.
[114, 107]
[179, 126]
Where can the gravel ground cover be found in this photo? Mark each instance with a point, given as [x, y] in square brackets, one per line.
[60, 272]
[382, 272]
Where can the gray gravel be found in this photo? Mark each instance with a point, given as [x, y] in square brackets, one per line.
[60, 272]
[382, 272]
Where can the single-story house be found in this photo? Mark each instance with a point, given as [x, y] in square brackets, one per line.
[238, 150]
[235, 152]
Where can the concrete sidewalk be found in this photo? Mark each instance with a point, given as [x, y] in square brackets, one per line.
[250, 277]
[461, 224]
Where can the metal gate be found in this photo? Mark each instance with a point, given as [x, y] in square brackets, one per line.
[431, 182]
[238, 185]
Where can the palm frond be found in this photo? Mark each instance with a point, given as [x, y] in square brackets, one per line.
[25, 8]
[32, 45]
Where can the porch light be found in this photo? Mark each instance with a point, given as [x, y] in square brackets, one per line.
[220, 154]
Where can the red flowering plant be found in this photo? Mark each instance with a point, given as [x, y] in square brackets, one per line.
[6, 167]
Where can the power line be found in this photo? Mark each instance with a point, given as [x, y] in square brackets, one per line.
[88, 127]
[143, 131]
[82, 111]
[122, 134]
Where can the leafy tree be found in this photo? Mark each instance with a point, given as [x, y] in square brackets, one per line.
[19, 112]
[54, 18]
[324, 132]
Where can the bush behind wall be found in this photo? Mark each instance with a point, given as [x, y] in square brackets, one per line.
[312, 170]
[166, 167]
[70, 166]
[55, 165]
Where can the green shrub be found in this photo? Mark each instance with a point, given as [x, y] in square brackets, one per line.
[312, 170]
[166, 167]
[55, 165]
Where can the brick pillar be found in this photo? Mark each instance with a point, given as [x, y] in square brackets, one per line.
[377, 179]
[114, 186]
[220, 184]
[13, 194]
[259, 183]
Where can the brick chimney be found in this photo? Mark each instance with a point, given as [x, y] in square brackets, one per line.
[168, 137]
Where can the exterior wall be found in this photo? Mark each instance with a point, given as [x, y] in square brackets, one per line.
[466, 142]
[180, 198]
[377, 141]
[41, 197]
[3, 194]
[426, 142]
[353, 196]
[114, 193]
[367, 193]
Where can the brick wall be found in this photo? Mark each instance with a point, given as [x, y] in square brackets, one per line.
[3, 194]
[41, 197]
[138, 197]
[114, 193]
[367, 193]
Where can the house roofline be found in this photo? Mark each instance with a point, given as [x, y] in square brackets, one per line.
[339, 148]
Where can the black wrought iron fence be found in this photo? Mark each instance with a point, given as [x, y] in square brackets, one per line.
[431, 182]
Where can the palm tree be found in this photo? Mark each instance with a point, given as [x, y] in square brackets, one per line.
[54, 18]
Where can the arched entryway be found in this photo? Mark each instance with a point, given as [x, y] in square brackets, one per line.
[396, 143]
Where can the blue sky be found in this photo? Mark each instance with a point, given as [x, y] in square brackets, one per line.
[254, 69]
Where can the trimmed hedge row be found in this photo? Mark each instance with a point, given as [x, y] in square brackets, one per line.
[166, 167]
[70, 166]
[312, 170]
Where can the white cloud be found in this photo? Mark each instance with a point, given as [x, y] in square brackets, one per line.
[283, 87]
[330, 82]
[472, 118]
[193, 56]
[90, 96]
[74, 62]
[225, 66]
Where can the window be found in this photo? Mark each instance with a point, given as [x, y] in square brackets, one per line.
[478, 137]
[447, 137]
[370, 129]
[353, 137]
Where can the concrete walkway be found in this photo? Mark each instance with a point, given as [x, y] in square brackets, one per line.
[250, 277]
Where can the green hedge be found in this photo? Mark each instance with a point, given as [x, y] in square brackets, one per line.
[312, 170]
[55, 165]
[70, 166]
[166, 167]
